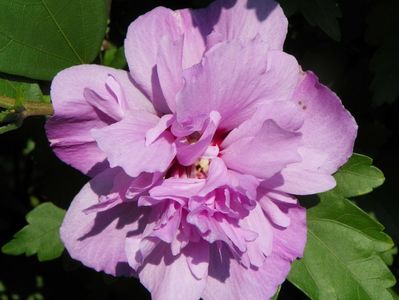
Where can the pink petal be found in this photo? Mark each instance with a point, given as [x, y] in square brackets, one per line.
[264, 153]
[286, 114]
[177, 187]
[170, 69]
[227, 279]
[243, 20]
[328, 128]
[217, 176]
[77, 112]
[273, 211]
[258, 249]
[97, 239]
[246, 82]
[142, 52]
[168, 277]
[197, 255]
[125, 144]
[138, 248]
[304, 177]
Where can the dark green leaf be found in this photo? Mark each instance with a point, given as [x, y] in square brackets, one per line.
[342, 256]
[41, 235]
[324, 14]
[357, 177]
[289, 6]
[385, 65]
[38, 38]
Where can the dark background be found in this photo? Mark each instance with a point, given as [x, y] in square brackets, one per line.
[362, 68]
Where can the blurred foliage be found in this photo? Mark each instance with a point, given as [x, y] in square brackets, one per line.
[321, 13]
[351, 45]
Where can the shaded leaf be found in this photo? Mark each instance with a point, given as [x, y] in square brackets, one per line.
[385, 65]
[324, 14]
[41, 235]
[38, 38]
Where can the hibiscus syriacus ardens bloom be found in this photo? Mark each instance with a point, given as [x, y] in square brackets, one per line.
[197, 152]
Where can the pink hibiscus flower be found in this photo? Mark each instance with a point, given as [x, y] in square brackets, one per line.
[196, 153]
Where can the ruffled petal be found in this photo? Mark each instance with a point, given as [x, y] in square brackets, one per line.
[86, 97]
[169, 277]
[142, 52]
[246, 82]
[329, 129]
[264, 153]
[125, 144]
[243, 20]
[228, 279]
[98, 239]
[170, 69]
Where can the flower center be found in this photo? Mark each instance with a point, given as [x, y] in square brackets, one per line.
[200, 168]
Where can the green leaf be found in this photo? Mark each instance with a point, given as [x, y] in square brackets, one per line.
[41, 235]
[324, 14]
[21, 90]
[38, 38]
[357, 177]
[115, 57]
[19, 100]
[342, 255]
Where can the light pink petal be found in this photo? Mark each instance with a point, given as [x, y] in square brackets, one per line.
[328, 128]
[97, 239]
[246, 82]
[86, 97]
[177, 187]
[227, 279]
[142, 183]
[262, 246]
[170, 69]
[198, 258]
[124, 143]
[265, 153]
[217, 176]
[159, 128]
[243, 183]
[304, 177]
[168, 277]
[286, 114]
[142, 51]
[168, 225]
[243, 20]
[273, 211]
[138, 248]
[188, 153]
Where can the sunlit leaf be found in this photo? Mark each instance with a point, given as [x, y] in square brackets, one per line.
[38, 38]
[41, 235]
[357, 177]
[342, 256]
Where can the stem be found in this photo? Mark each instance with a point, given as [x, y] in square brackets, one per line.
[29, 108]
